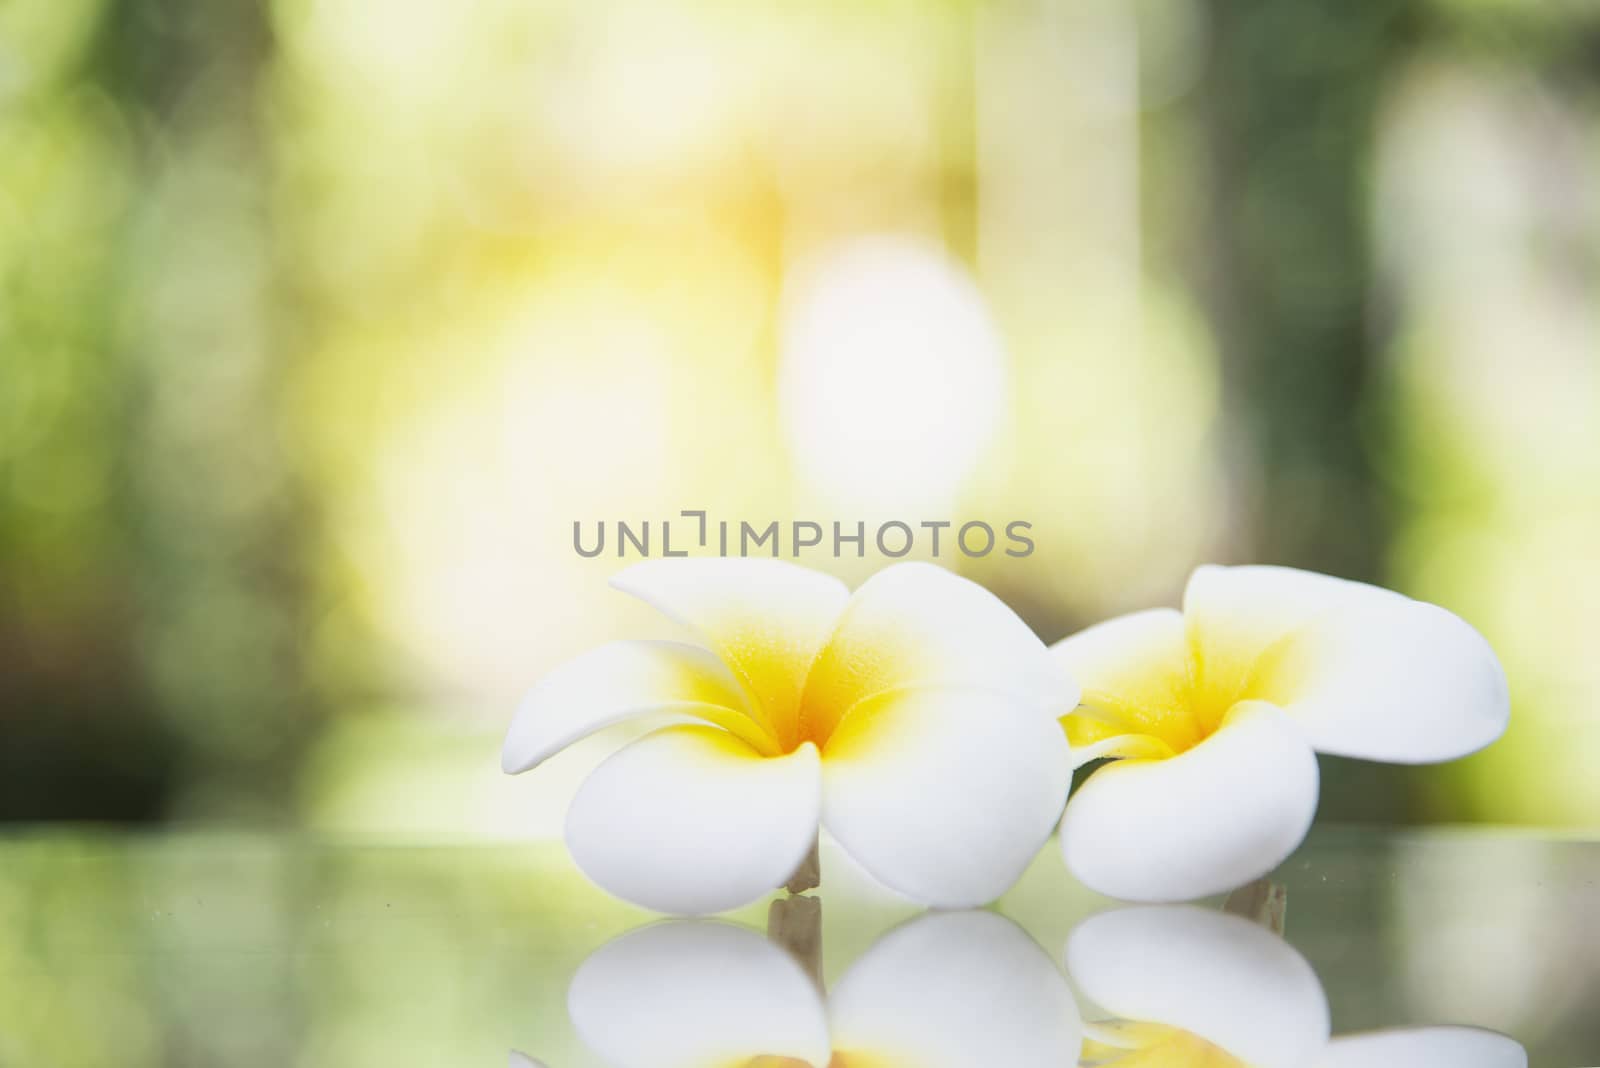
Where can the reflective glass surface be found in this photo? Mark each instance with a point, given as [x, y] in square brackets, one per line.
[230, 949]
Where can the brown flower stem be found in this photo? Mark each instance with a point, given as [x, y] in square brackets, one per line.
[1263, 901]
[808, 876]
[795, 924]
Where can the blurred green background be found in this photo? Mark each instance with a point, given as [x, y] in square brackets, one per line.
[322, 321]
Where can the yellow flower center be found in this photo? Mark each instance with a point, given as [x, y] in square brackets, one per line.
[1165, 708]
[1124, 1044]
[793, 700]
[839, 1060]
[777, 729]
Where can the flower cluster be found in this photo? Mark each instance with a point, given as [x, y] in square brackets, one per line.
[934, 736]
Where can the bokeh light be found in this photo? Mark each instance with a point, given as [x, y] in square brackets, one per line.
[891, 377]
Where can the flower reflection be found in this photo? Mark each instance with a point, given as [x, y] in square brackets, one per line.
[1172, 986]
[1425, 1047]
[1187, 986]
[950, 990]
[1191, 988]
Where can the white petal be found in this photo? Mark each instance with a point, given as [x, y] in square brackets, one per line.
[944, 795]
[1425, 1047]
[690, 995]
[1389, 678]
[1235, 614]
[1138, 650]
[957, 990]
[767, 619]
[1210, 819]
[916, 624]
[1263, 601]
[690, 820]
[1368, 672]
[613, 683]
[1230, 981]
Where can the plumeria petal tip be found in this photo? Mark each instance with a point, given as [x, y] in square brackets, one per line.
[693, 821]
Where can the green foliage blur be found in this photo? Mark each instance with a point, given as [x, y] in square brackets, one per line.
[322, 321]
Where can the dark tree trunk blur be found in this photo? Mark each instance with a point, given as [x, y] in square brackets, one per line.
[1290, 100]
[166, 673]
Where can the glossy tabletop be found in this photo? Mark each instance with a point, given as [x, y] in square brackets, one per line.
[227, 949]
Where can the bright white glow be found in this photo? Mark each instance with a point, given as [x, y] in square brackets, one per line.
[892, 376]
[570, 422]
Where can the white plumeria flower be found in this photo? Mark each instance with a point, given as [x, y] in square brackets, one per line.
[1217, 713]
[950, 990]
[1425, 1047]
[1192, 988]
[915, 720]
